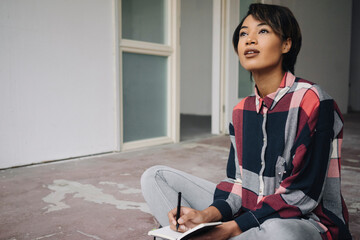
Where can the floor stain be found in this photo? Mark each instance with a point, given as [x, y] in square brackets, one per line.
[123, 189]
[89, 193]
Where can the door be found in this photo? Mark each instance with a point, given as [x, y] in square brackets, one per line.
[148, 72]
[238, 84]
[195, 68]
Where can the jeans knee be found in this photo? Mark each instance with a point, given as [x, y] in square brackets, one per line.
[294, 229]
[148, 176]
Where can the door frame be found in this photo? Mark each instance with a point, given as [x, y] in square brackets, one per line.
[172, 50]
[225, 83]
[225, 64]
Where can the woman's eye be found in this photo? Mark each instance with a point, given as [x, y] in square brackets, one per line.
[242, 34]
[263, 31]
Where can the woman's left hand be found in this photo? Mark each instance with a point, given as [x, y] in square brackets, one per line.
[221, 232]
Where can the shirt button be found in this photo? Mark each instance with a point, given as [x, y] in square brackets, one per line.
[264, 139]
[261, 191]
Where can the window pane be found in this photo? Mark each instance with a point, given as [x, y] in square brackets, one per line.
[144, 96]
[245, 84]
[144, 20]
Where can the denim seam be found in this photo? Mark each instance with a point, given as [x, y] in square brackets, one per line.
[159, 174]
[187, 179]
[160, 190]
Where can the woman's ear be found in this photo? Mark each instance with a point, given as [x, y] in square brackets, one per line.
[286, 46]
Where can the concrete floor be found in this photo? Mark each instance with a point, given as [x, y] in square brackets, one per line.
[194, 126]
[100, 198]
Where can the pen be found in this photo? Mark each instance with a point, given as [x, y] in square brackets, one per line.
[178, 210]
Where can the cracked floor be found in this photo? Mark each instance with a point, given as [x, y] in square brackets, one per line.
[100, 198]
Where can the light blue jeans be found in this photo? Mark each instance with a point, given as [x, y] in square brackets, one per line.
[160, 186]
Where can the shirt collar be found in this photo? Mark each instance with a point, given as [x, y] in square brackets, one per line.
[273, 98]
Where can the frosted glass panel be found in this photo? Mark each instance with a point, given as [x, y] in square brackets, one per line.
[144, 20]
[245, 84]
[144, 96]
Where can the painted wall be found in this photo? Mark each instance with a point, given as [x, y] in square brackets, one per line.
[354, 98]
[325, 54]
[196, 56]
[57, 97]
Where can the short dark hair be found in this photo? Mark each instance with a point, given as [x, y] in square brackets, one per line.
[284, 24]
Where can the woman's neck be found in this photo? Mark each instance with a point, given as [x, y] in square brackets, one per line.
[267, 82]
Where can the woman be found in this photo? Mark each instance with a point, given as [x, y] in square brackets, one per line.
[283, 172]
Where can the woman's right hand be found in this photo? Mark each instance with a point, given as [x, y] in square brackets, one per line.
[190, 218]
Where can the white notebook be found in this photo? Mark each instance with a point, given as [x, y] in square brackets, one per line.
[170, 234]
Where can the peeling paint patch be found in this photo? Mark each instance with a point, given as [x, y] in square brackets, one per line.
[48, 236]
[60, 188]
[349, 168]
[351, 160]
[89, 235]
[354, 207]
[124, 189]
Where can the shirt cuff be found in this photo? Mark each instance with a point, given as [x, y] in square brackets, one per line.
[224, 208]
[246, 221]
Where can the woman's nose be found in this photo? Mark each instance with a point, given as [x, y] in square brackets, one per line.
[251, 40]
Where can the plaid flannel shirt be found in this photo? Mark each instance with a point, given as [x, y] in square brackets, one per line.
[285, 159]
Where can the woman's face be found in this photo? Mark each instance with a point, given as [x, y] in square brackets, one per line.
[259, 47]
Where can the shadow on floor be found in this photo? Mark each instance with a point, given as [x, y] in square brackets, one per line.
[194, 126]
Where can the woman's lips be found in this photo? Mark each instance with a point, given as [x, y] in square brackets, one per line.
[251, 52]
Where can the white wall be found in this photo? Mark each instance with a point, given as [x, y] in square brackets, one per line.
[57, 76]
[354, 99]
[196, 56]
[325, 54]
